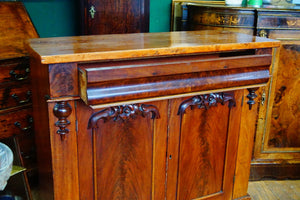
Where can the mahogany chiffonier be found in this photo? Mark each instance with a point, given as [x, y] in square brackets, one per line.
[147, 115]
[15, 91]
[110, 16]
[277, 141]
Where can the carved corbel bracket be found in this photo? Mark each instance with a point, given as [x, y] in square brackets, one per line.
[251, 96]
[62, 111]
[206, 101]
[123, 112]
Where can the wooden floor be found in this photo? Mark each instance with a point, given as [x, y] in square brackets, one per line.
[274, 190]
[265, 190]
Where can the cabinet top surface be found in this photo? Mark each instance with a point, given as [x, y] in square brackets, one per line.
[139, 45]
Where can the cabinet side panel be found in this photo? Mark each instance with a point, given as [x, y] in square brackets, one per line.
[285, 123]
[202, 152]
[39, 76]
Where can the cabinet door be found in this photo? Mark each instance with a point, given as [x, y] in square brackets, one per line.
[122, 151]
[202, 146]
[114, 16]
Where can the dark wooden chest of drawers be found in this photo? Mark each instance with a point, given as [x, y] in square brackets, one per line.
[15, 97]
[15, 85]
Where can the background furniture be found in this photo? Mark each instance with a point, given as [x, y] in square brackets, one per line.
[133, 116]
[110, 16]
[15, 90]
[277, 141]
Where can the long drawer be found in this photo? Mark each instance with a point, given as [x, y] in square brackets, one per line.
[101, 83]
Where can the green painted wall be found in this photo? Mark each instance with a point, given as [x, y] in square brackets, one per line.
[53, 18]
[160, 15]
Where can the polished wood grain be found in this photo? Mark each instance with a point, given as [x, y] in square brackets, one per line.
[96, 72]
[111, 17]
[63, 80]
[95, 89]
[244, 154]
[141, 45]
[15, 69]
[284, 131]
[203, 158]
[177, 151]
[16, 27]
[220, 17]
[277, 146]
[277, 135]
[16, 122]
[164, 125]
[15, 96]
[42, 140]
[66, 150]
[10, 120]
[125, 158]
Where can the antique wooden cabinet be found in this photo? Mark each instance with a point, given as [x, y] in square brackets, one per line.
[15, 89]
[147, 115]
[277, 142]
[111, 16]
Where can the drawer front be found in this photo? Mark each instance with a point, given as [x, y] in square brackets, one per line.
[278, 24]
[101, 83]
[14, 70]
[221, 17]
[17, 122]
[278, 20]
[18, 95]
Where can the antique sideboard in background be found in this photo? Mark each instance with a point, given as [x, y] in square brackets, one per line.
[277, 142]
[133, 116]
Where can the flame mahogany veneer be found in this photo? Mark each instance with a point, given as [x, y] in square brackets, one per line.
[147, 116]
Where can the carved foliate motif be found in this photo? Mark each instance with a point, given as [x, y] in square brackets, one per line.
[62, 111]
[206, 101]
[123, 112]
[230, 19]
